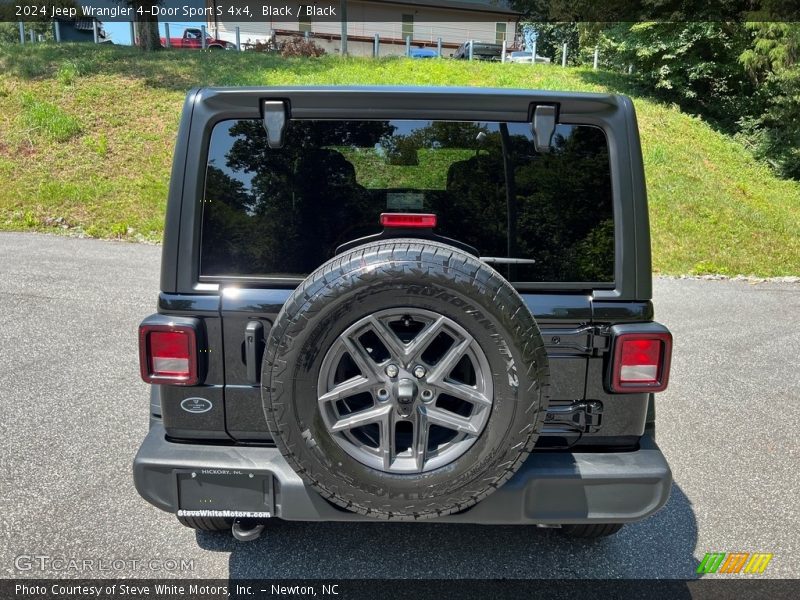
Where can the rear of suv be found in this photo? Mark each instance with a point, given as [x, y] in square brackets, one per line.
[405, 304]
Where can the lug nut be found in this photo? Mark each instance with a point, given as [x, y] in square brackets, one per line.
[419, 371]
[392, 370]
[427, 395]
[383, 394]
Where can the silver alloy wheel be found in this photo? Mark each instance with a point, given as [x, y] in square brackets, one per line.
[405, 423]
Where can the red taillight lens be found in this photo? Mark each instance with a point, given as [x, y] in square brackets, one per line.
[414, 220]
[641, 362]
[168, 354]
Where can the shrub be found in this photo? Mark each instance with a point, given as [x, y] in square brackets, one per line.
[68, 73]
[259, 46]
[300, 46]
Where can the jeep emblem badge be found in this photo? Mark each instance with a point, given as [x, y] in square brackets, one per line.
[196, 405]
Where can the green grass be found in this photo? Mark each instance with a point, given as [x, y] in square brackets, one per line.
[86, 138]
[47, 119]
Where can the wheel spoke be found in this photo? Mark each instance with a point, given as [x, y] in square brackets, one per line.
[363, 360]
[420, 343]
[463, 392]
[387, 445]
[351, 387]
[419, 445]
[365, 417]
[393, 344]
[448, 362]
[444, 418]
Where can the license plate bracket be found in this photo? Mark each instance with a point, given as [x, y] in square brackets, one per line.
[225, 493]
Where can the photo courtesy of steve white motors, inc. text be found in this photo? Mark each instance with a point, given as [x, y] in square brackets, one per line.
[140, 589]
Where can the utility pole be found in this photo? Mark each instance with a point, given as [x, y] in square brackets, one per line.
[343, 10]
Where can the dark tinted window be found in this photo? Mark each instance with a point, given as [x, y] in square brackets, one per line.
[282, 213]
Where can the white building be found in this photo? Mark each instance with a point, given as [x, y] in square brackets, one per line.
[395, 21]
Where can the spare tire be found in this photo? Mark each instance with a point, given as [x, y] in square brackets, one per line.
[405, 379]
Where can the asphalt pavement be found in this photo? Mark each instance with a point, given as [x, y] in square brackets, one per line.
[74, 412]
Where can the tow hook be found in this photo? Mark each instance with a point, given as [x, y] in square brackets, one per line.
[245, 533]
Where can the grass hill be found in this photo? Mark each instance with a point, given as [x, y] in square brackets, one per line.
[86, 137]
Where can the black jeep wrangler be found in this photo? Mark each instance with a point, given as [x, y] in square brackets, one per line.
[405, 304]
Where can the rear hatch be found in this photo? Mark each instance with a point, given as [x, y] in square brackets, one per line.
[269, 202]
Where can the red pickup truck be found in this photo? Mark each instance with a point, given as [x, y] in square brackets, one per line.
[193, 38]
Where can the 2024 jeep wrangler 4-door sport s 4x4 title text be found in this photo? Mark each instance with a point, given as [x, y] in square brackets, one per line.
[406, 304]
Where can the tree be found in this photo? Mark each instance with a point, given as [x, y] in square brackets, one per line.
[147, 36]
[551, 37]
[775, 50]
[652, 10]
[694, 64]
[773, 64]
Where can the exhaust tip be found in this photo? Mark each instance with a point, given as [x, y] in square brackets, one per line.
[246, 534]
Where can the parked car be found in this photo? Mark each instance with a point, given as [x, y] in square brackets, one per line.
[480, 51]
[192, 38]
[405, 304]
[525, 57]
[423, 53]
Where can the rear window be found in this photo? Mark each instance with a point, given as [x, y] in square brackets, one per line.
[536, 217]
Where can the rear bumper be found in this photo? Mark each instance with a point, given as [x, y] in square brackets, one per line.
[551, 487]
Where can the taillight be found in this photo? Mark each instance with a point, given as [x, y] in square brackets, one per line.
[641, 362]
[168, 354]
[413, 220]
